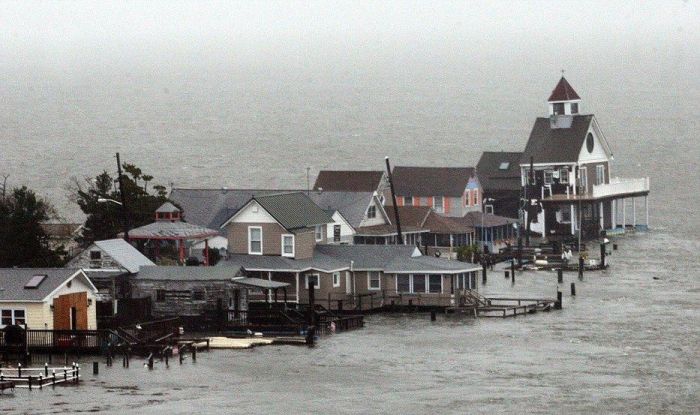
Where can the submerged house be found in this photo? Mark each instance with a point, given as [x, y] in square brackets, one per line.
[566, 174]
[47, 298]
[281, 238]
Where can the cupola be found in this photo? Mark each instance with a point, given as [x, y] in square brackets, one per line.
[168, 212]
[563, 100]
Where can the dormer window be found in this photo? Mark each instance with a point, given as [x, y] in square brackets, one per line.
[372, 212]
[574, 108]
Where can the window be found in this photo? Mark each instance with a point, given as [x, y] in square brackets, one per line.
[403, 284]
[435, 283]
[312, 279]
[583, 179]
[336, 279]
[548, 176]
[408, 200]
[9, 317]
[419, 283]
[566, 215]
[467, 198]
[373, 282]
[255, 240]
[198, 295]
[160, 296]
[599, 174]
[372, 212]
[288, 245]
[488, 209]
[564, 176]
[438, 204]
[95, 255]
[504, 165]
[559, 108]
[574, 108]
[318, 233]
[336, 233]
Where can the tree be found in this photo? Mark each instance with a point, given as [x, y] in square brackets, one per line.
[105, 220]
[23, 242]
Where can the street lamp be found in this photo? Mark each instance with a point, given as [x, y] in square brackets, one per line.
[125, 219]
[105, 200]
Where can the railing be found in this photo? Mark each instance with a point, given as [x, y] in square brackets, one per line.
[618, 186]
[60, 340]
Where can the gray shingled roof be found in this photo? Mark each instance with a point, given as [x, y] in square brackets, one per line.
[124, 253]
[556, 145]
[260, 283]
[175, 273]
[167, 207]
[352, 205]
[348, 180]
[212, 207]
[171, 230]
[428, 264]
[294, 210]
[13, 280]
[431, 181]
[492, 177]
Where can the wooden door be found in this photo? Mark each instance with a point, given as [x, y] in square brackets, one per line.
[70, 312]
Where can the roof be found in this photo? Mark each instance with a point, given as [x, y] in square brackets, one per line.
[556, 145]
[499, 170]
[13, 280]
[474, 219]
[293, 210]
[428, 264]
[410, 215]
[171, 230]
[348, 180]
[124, 253]
[387, 230]
[424, 217]
[212, 207]
[431, 181]
[175, 273]
[563, 92]
[260, 283]
[352, 205]
[319, 261]
[167, 207]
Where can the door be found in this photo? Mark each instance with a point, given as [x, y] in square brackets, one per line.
[70, 312]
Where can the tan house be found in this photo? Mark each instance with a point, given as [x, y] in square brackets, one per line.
[47, 298]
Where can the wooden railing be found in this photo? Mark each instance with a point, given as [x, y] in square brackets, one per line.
[59, 340]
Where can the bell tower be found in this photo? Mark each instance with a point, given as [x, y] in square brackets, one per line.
[563, 100]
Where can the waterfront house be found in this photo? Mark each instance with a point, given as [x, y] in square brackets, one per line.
[47, 298]
[566, 174]
[499, 175]
[450, 191]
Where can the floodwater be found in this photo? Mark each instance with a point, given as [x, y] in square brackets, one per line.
[629, 342]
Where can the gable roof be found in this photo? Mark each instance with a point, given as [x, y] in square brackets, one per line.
[13, 280]
[563, 92]
[292, 210]
[352, 205]
[124, 253]
[556, 145]
[491, 174]
[167, 207]
[212, 207]
[424, 217]
[349, 180]
[431, 181]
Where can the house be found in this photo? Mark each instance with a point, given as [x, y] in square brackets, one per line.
[350, 211]
[281, 238]
[352, 181]
[451, 191]
[192, 292]
[47, 298]
[566, 174]
[63, 235]
[499, 175]
[492, 231]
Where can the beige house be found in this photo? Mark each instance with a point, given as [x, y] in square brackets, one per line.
[47, 298]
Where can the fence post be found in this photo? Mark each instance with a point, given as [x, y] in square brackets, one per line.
[46, 369]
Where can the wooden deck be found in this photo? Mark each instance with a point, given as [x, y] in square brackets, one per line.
[503, 307]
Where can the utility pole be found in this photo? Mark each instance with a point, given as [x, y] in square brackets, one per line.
[399, 237]
[125, 216]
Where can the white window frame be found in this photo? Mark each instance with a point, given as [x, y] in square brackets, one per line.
[551, 177]
[250, 240]
[396, 281]
[318, 233]
[13, 317]
[442, 204]
[336, 279]
[467, 197]
[317, 286]
[425, 282]
[583, 178]
[564, 175]
[600, 174]
[369, 280]
[287, 235]
[372, 208]
[488, 209]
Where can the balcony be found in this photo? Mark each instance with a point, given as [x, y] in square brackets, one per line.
[621, 187]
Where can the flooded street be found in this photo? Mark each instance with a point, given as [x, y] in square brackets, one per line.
[627, 343]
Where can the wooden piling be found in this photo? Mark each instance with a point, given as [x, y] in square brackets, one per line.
[512, 266]
[560, 275]
[433, 315]
[573, 289]
[46, 369]
[512, 279]
[507, 274]
[194, 353]
[150, 361]
[557, 304]
[580, 267]
[95, 368]
[602, 255]
[483, 272]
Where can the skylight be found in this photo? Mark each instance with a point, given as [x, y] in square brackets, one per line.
[504, 165]
[35, 281]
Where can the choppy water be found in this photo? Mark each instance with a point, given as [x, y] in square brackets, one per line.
[627, 343]
[199, 111]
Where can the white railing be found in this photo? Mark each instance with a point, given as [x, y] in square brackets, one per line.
[618, 186]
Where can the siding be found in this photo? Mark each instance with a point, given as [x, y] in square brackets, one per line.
[179, 300]
[272, 237]
[304, 243]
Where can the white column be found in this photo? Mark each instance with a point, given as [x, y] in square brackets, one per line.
[613, 206]
[600, 214]
[296, 277]
[269, 292]
[646, 207]
[573, 220]
[634, 212]
[624, 216]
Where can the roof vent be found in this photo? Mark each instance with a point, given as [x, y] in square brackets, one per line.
[35, 281]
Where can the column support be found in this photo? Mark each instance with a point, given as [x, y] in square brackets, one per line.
[624, 216]
[646, 207]
[634, 213]
[600, 214]
[296, 278]
[613, 206]
[269, 294]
